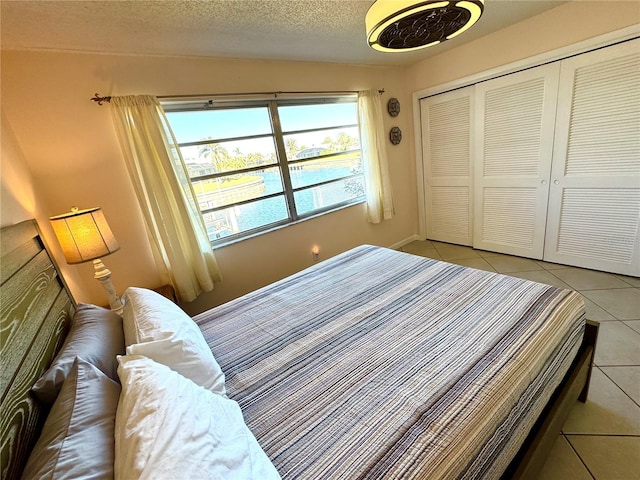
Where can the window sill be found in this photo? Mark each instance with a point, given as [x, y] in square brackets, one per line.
[286, 225]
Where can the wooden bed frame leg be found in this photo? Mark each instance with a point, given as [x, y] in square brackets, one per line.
[533, 454]
[590, 339]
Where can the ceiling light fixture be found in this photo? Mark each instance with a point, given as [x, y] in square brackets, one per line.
[405, 25]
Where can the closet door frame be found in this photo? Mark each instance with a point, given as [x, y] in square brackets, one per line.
[546, 57]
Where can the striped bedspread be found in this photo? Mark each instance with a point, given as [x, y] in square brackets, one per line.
[381, 364]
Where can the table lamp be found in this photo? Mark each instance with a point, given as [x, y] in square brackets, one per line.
[84, 235]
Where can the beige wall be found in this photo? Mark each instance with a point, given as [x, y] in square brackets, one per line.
[70, 147]
[567, 24]
[19, 199]
[17, 195]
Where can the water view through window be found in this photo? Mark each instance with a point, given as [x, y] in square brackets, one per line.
[258, 165]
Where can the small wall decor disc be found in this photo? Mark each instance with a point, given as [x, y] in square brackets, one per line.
[393, 107]
[395, 135]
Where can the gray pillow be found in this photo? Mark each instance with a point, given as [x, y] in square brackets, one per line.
[96, 336]
[77, 440]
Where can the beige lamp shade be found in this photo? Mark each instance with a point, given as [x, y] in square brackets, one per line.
[84, 235]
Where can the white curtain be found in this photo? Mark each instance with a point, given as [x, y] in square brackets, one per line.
[176, 230]
[374, 154]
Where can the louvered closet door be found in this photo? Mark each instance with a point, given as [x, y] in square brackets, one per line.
[514, 120]
[594, 206]
[446, 143]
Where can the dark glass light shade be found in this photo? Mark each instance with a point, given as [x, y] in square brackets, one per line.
[400, 26]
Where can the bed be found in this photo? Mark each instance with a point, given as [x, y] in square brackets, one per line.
[375, 364]
[36, 311]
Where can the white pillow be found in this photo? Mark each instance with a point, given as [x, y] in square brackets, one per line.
[156, 327]
[169, 427]
[149, 316]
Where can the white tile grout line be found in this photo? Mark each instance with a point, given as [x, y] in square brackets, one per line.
[589, 435]
[542, 267]
[614, 382]
[608, 288]
[578, 455]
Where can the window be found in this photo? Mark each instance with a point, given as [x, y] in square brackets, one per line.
[258, 164]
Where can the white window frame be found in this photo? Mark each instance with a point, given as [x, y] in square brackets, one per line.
[282, 162]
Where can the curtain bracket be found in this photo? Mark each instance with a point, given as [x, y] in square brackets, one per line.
[98, 99]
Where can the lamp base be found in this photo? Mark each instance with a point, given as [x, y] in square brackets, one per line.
[103, 275]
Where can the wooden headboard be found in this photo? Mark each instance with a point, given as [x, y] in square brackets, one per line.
[36, 308]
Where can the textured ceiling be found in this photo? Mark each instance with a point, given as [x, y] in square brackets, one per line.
[310, 30]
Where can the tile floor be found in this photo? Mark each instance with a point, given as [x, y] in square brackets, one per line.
[601, 438]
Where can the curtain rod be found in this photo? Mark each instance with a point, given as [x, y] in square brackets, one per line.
[100, 100]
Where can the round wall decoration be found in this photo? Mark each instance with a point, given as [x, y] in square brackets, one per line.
[393, 107]
[395, 135]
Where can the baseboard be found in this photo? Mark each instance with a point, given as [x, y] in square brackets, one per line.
[404, 242]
